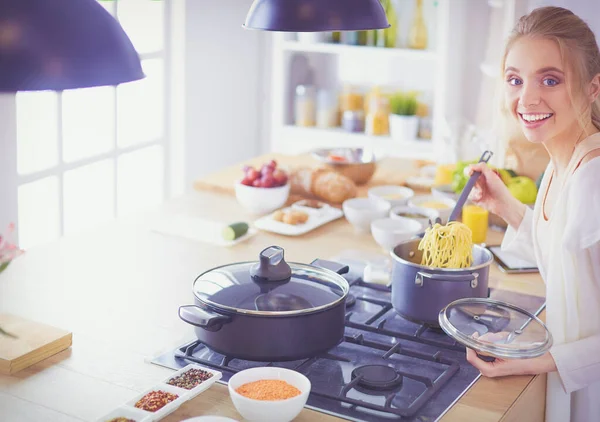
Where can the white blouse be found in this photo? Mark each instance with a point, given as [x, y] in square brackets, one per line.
[566, 248]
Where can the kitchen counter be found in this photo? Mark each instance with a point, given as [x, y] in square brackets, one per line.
[118, 288]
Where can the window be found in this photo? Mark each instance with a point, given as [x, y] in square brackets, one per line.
[87, 156]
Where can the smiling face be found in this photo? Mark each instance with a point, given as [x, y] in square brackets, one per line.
[537, 90]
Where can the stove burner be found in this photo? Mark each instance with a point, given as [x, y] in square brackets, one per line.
[350, 300]
[377, 377]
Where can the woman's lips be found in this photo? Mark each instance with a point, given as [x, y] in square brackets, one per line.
[534, 120]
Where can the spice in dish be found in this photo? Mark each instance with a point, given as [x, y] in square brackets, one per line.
[190, 379]
[155, 400]
[268, 390]
[121, 419]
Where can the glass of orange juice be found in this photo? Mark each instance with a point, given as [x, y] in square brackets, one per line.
[476, 218]
[443, 174]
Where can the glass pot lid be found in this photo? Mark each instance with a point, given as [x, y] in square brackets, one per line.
[270, 286]
[495, 328]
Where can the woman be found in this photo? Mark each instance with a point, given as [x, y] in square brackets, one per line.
[552, 83]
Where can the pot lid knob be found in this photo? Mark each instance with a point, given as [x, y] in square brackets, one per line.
[271, 266]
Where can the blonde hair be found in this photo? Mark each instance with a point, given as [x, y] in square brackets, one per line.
[575, 40]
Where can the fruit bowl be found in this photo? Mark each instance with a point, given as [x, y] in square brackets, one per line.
[263, 191]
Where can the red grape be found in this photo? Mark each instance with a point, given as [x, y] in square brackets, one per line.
[266, 170]
[252, 174]
[280, 177]
[272, 164]
[256, 183]
[246, 181]
[267, 181]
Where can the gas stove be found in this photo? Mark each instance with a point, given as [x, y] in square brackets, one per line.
[386, 367]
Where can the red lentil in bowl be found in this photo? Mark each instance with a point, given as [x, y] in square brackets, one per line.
[190, 378]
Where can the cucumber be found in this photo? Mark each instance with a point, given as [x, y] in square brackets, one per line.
[235, 231]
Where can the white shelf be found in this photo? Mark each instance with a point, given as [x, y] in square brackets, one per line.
[297, 139]
[330, 48]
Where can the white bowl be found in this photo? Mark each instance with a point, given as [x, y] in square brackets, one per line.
[395, 195]
[269, 411]
[360, 212]
[389, 232]
[425, 214]
[261, 200]
[422, 202]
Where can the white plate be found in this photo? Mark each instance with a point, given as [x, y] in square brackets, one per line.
[127, 412]
[216, 376]
[314, 220]
[194, 228]
[420, 182]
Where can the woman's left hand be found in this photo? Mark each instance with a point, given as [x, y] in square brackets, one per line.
[504, 367]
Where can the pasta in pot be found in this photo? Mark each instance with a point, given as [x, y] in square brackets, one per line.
[447, 246]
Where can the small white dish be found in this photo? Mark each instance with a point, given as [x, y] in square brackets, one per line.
[265, 410]
[315, 220]
[182, 397]
[261, 201]
[420, 183]
[203, 386]
[127, 412]
[422, 215]
[443, 206]
[395, 195]
[360, 212]
[389, 232]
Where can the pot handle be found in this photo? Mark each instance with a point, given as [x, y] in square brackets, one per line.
[195, 315]
[473, 278]
[331, 265]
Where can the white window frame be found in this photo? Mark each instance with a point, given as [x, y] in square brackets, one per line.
[172, 139]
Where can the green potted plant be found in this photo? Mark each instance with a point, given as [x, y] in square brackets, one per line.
[404, 123]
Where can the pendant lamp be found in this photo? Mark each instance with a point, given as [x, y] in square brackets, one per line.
[63, 44]
[316, 15]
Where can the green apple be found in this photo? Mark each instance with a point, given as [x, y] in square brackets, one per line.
[523, 188]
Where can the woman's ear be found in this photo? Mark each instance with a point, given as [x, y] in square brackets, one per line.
[594, 88]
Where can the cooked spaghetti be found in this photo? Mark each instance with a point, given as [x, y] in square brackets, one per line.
[447, 246]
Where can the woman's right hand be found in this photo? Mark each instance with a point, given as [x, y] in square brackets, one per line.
[490, 192]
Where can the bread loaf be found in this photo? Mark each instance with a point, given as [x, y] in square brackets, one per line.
[324, 184]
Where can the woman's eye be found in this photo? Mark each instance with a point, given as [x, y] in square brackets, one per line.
[514, 81]
[550, 82]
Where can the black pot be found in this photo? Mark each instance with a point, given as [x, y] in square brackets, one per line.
[419, 293]
[269, 310]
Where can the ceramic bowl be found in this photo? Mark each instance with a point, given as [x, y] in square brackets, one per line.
[389, 232]
[261, 200]
[443, 206]
[421, 215]
[360, 212]
[395, 195]
[358, 164]
[265, 410]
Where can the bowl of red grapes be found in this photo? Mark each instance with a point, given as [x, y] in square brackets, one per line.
[263, 190]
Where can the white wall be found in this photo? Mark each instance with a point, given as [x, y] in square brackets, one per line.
[224, 86]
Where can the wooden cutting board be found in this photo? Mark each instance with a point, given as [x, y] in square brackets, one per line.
[390, 171]
[34, 342]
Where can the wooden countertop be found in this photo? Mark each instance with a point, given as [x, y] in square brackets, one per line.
[117, 288]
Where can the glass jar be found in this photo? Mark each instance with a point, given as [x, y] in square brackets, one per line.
[305, 106]
[351, 99]
[328, 113]
[353, 121]
[377, 121]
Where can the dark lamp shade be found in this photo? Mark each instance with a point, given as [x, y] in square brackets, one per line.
[316, 15]
[63, 44]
